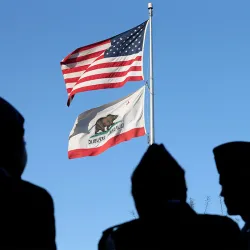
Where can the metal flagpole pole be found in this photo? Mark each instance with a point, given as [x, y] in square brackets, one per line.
[151, 79]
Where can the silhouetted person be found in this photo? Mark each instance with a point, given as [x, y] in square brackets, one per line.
[26, 211]
[166, 221]
[233, 164]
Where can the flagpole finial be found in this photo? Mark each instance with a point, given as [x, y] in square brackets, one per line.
[150, 6]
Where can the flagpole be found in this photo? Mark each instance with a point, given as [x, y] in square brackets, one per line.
[151, 79]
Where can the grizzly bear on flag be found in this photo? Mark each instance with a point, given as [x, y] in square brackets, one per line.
[104, 123]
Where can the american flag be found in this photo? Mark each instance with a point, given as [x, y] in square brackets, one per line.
[106, 64]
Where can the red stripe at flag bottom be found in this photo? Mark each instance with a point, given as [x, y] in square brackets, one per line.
[133, 133]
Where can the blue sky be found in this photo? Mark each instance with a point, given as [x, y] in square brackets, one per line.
[201, 67]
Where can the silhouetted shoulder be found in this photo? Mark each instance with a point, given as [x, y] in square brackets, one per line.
[21, 188]
[125, 227]
[121, 235]
[28, 186]
[128, 225]
[223, 230]
[218, 220]
[43, 210]
[35, 194]
[33, 221]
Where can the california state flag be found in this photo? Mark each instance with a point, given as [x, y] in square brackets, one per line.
[100, 128]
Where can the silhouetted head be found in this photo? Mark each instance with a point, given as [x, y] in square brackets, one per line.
[12, 146]
[233, 164]
[157, 182]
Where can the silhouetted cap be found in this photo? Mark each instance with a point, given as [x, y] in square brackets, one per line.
[158, 168]
[11, 121]
[232, 156]
[158, 160]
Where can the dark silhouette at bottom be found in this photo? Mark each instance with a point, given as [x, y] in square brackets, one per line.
[166, 221]
[233, 164]
[26, 211]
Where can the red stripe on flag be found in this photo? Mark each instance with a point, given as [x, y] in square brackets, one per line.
[108, 75]
[102, 75]
[105, 85]
[91, 46]
[75, 69]
[84, 58]
[78, 50]
[101, 65]
[78, 153]
[69, 90]
[71, 80]
[115, 64]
